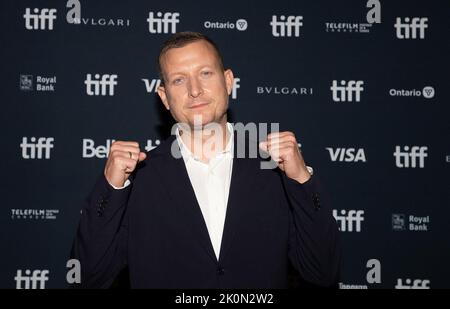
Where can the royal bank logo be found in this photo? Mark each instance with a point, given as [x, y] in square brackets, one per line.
[34, 214]
[31, 279]
[410, 28]
[283, 90]
[163, 22]
[289, 26]
[26, 82]
[402, 222]
[41, 83]
[415, 284]
[74, 17]
[398, 222]
[373, 17]
[427, 92]
[240, 25]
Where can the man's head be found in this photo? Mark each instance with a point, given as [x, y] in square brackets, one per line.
[193, 79]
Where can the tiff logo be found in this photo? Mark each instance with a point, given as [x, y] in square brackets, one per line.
[40, 19]
[162, 23]
[31, 282]
[349, 220]
[100, 85]
[236, 86]
[35, 150]
[285, 27]
[346, 91]
[410, 158]
[409, 29]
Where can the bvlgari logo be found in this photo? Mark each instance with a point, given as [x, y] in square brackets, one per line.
[283, 90]
[74, 17]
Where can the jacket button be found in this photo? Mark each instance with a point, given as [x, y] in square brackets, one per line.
[316, 201]
[220, 271]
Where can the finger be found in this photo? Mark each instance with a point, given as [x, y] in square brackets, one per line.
[142, 156]
[126, 143]
[133, 149]
[281, 144]
[263, 146]
[280, 134]
[125, 154]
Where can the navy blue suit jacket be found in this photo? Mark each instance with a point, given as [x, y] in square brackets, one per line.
[155, 228]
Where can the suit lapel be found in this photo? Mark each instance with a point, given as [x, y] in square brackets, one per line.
[242, 182]
[174, 175]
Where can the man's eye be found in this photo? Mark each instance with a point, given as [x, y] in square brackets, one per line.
[177, 81]
[206, 73]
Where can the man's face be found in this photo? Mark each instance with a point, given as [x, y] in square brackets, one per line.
[195, 84]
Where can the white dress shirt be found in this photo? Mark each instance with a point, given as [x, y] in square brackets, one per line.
[211, 184]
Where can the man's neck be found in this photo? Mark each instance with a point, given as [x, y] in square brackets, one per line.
[206, 142]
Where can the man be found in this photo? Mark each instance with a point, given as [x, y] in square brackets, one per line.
[195, 215]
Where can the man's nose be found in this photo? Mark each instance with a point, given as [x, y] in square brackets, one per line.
[195, 87]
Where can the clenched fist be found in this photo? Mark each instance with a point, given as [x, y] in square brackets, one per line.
[283, 148]
[122, 160]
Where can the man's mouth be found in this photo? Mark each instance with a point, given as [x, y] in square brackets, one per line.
[198, 105]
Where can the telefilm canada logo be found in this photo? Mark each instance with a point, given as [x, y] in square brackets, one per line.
[373, 17]
[34, 214]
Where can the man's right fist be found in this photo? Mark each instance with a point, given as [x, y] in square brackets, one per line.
[122, 160]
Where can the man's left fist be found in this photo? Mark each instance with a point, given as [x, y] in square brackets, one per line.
[283, 148]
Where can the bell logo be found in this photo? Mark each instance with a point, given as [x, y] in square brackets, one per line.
[347, 154]
[350, 220]
[346, 91]
[40, 20]
[101, 85]
[410, 158]
[162, 23]
[31, 280]
[286, 26]
[409, 28]
[90, 151]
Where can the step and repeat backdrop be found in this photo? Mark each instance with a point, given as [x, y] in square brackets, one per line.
[363, 85]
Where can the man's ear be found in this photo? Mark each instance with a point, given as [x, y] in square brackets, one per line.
[162, 94]
[229, 80]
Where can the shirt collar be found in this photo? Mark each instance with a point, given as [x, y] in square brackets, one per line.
[188, 155]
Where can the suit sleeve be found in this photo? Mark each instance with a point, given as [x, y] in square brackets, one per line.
[314, 246]
[101, 240]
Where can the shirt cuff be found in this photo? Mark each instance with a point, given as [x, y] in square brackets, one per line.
[126, 184]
